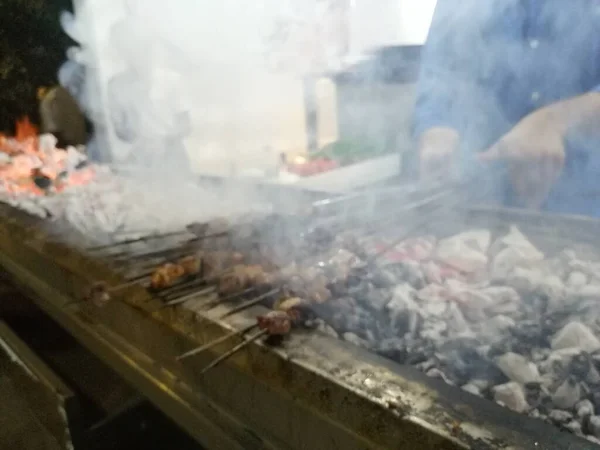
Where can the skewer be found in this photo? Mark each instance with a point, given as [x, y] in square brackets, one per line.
[234, 350]
[187, 297]
[250, 303]
[211, 344]
[220, 300]
[99, 292]
[135, 240]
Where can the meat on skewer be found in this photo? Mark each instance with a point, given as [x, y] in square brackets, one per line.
[274, 323]
[242, 277]
[278, 322]
[166, 275]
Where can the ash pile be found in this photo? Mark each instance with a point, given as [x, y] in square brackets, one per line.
[487, 312]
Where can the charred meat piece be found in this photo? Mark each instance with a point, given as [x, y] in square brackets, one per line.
[166, 275]
[242, 277]
[310, 283]
[275, 323]
[191, 265]
[213, 263]
[298, 309]
[98, 294]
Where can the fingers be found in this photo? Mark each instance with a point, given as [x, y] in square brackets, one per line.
[532, 180]
[435, 164]
[500, 150]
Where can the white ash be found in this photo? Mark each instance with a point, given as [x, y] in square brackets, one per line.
[512, 396]
[112, 204]
[576, 335]
[568, 394]
[584, 409]
[518, 368]
[594, 426]
[560, 416]
[471, 246]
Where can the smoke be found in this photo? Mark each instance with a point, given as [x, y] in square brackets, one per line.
[192, 83]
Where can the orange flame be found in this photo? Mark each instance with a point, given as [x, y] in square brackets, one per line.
[25, 130]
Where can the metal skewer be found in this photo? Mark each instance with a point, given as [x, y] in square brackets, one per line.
[234, 350]
[250, 303]
[136, 240]
[211, 344]
[187, 297]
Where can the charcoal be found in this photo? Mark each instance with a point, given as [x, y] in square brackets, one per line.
[539, 354]
[553, 289]
[496, 327]
[434, 308]
[593, 439]
[573, 426]
[434, 330]
[464, 362]
[516, 240]
[393, 348]
[568, 394]
[472, 389]
[535, 394]
[511, 395]
[577, 280]
[377, 298]
[576, 335]
[518, 368]
[524, 280]
[472, 303]
[584, 409]
[582, 367]
[505, 299]
[327, 329]
[466, 251]
[382, 278]
[456, 320]
[411, 272]
[481, 384]
[436, 373]
[527, 335]
[593, 426]
[559, 416]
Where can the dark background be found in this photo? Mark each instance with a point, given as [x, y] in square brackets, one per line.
[32, 48]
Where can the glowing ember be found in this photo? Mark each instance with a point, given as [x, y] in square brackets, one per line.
[32, 164]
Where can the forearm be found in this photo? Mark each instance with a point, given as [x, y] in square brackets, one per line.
[581, 113]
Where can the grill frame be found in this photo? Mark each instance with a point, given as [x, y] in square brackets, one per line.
[344, 395]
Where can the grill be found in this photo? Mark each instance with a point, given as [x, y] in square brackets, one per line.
[311, 392]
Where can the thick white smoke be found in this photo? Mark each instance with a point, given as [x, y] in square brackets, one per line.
[194, 73]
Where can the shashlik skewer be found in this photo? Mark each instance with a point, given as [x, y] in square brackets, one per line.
[211, 344]
[234, 350]
[185, 298]
[145, 238]
[291, 307]
[249, 303]
[274, 323]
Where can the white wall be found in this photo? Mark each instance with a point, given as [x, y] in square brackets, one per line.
[389, 22]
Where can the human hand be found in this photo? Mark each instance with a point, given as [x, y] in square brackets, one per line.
[535, 152]
[437, 147]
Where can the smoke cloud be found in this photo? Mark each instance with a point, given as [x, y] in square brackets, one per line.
[163, 83]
